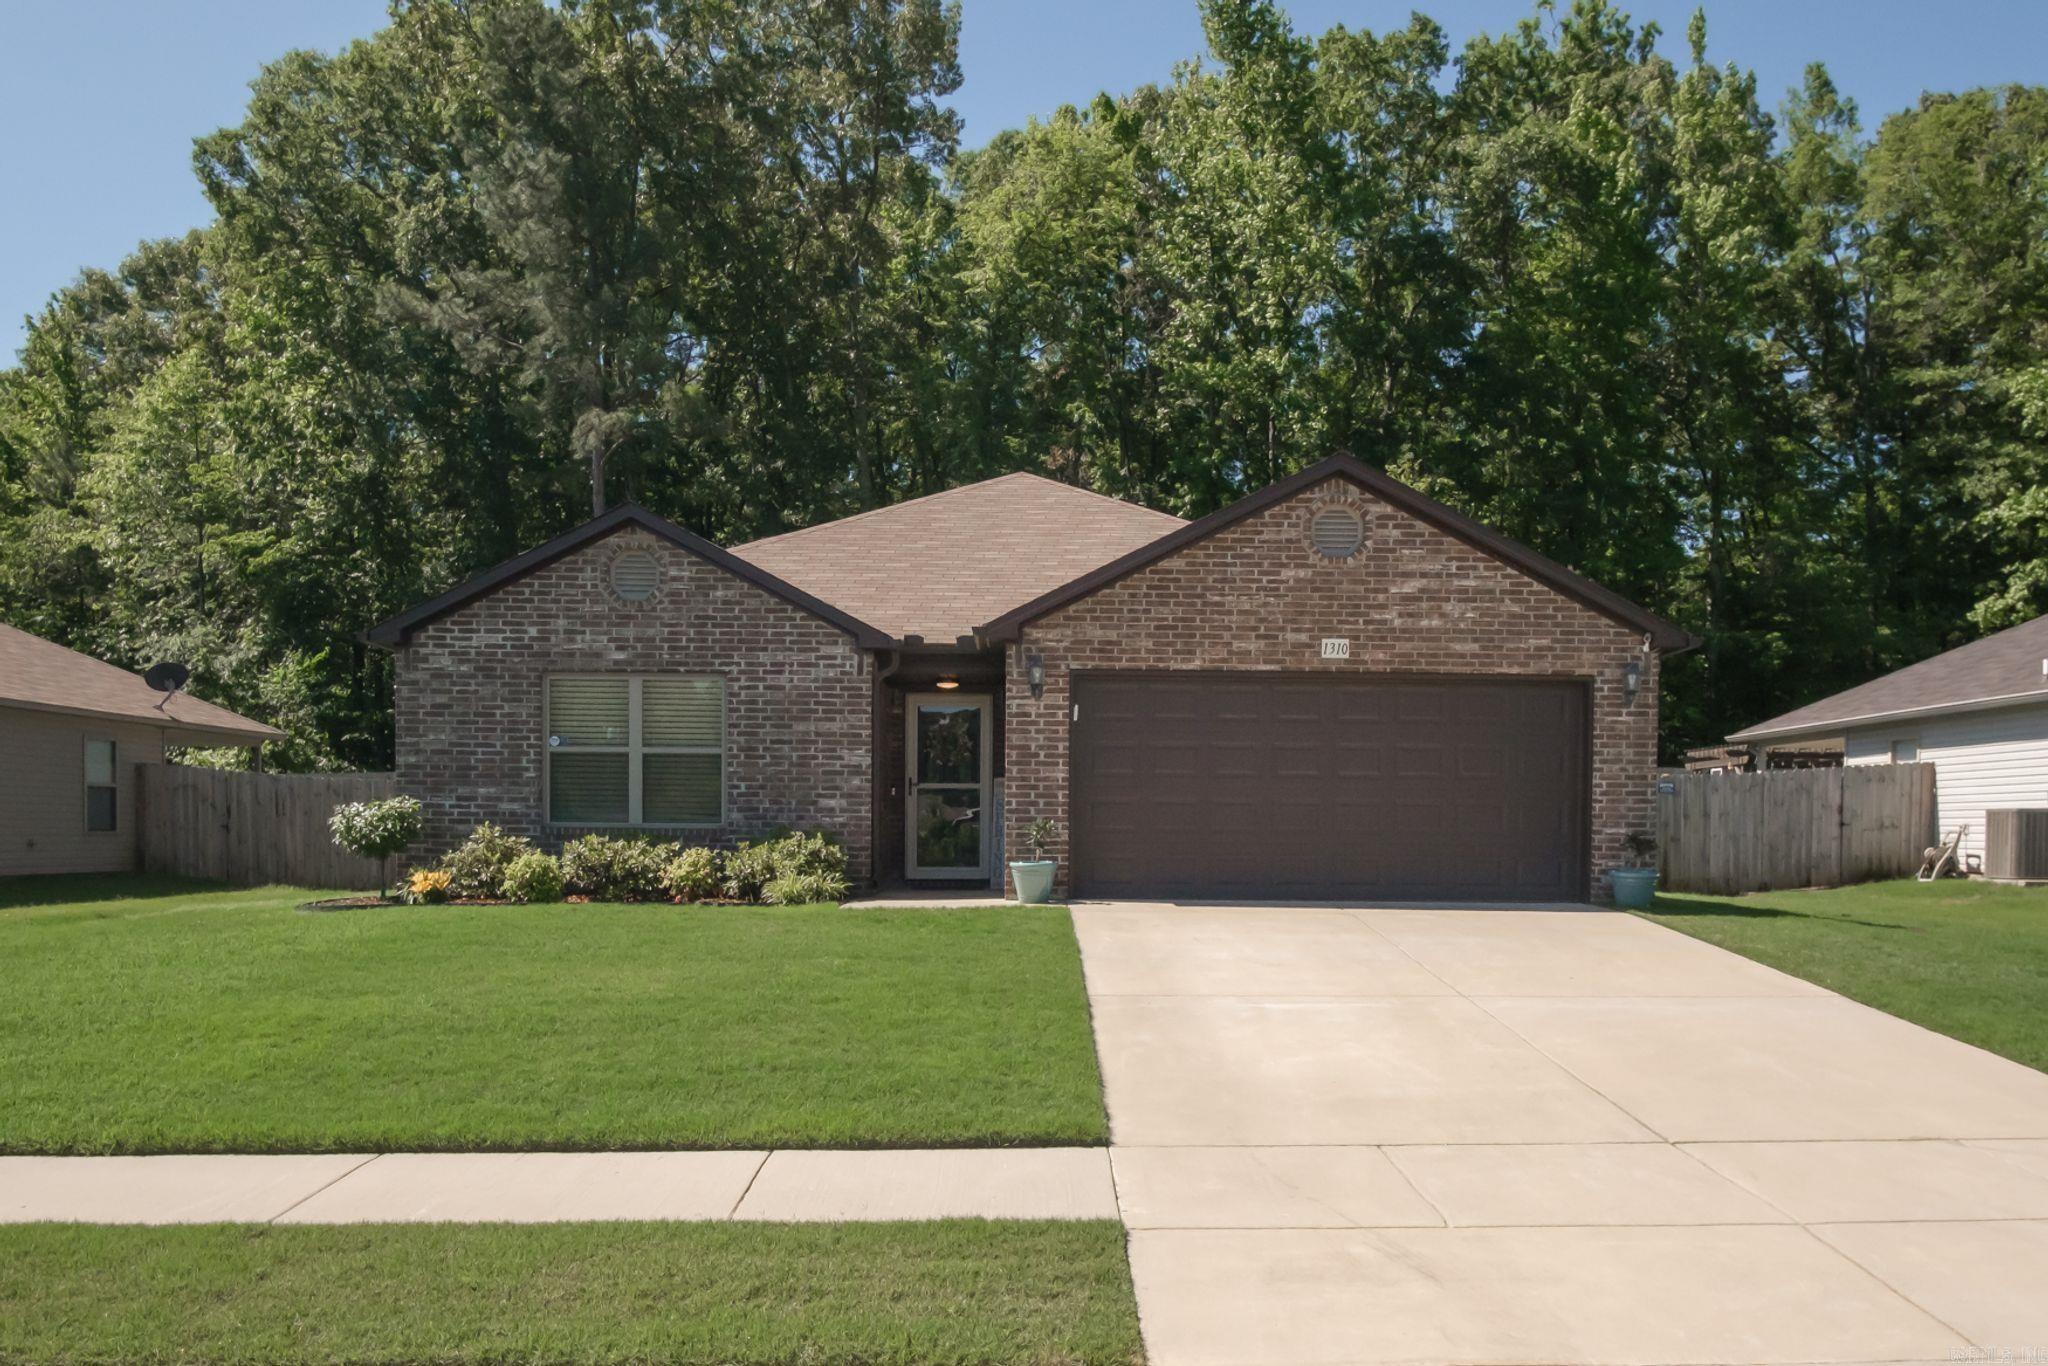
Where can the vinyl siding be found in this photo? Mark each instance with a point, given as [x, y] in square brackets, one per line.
[1982, 760]
[42, 792]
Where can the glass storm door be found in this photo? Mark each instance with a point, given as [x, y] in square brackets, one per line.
[947, 753]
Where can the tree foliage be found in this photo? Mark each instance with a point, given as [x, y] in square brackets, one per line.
[506, 261]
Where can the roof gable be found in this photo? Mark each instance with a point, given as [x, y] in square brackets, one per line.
[2006, 667]
[1663, 634]
[394, 632]
[936, 567]
[41, 675]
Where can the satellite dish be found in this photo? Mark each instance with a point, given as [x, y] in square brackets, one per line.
[166, 678]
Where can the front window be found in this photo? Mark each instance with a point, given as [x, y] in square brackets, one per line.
[102, 795]
[639, 750]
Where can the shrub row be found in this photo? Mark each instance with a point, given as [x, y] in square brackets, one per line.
[786, 870]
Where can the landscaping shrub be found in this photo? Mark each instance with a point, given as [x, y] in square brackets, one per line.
[809, 856]
[748, 870]
[815, 860]
[427, 887]
[607, 869]
[802, 889]
[477, 869]
[533, 876]
[377, 829]
[692, 875]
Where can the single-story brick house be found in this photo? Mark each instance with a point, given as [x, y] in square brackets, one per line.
[73, 730]
[1335, 687]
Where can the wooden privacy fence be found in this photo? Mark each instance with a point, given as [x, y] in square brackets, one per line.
[1727, 833]
[251, 828]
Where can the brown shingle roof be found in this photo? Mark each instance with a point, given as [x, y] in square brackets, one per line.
[44, 676]
[940, 565]
[1996, 668]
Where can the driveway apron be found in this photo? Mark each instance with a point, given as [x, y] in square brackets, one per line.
[1349, 1135]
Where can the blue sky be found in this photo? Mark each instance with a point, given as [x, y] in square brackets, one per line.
[100, 99]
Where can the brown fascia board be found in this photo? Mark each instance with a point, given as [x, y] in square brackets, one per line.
[1666, 637]
[392, 634]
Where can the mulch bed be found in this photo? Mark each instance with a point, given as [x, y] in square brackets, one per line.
[361, 903]
[346, 903]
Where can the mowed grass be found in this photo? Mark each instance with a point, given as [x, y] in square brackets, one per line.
[141, 1016]
[1968, 959]
[956, 1291]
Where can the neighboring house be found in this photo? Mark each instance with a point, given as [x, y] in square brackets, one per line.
[1333, 688]
[1746, 759]
[1979, 714]
[73, 729]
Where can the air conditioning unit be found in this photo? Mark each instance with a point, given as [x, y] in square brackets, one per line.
[2016, 844]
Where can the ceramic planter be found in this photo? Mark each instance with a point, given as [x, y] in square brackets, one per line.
[1034, 880]
[1633, 887]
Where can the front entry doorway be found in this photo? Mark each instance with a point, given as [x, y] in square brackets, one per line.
[946, 828]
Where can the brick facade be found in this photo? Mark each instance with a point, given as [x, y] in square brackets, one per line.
[799, 697]
[1256, 595]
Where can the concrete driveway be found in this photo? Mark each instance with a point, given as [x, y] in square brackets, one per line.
[1548, 1136]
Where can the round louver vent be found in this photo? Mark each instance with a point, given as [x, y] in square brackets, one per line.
[635, 576]
[1337, 533]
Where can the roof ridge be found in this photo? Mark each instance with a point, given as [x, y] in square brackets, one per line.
[1131, 503]
[945, 493]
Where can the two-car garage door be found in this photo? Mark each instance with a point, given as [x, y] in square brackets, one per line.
[1248, 785]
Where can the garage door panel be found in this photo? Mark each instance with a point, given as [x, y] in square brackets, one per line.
[1309, 786]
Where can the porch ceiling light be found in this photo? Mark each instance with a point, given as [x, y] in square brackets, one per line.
[948, 683]
[1034, 674]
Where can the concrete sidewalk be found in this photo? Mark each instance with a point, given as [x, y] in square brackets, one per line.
[789, 1186]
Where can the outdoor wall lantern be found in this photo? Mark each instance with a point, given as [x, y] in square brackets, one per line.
[1631, 679]
[1034, 674]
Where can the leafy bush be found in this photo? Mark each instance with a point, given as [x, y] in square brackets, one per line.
[427, 887]
[692, 875]
[801, 889]
[533, 876]
[809, 856]
[607, 869]
[747, 870]
[816, 859]
[477, 869]
[376, 829]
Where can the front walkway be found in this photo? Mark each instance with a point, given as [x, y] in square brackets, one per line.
[1493, 1136]
[785, 1186]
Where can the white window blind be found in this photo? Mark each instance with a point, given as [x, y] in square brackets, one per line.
[102, 802]
[636, 750]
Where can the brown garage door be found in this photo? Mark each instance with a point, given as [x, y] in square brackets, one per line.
[1251, 786]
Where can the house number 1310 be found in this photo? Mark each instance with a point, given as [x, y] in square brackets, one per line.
[1335, 648]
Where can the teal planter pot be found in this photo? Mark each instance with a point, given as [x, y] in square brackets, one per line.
[1633, 887]
[1034, 880]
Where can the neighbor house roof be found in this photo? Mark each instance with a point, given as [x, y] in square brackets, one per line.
[41, 675]
[394, 631]
[2001, 670]
[1391, 490]
[938, 566]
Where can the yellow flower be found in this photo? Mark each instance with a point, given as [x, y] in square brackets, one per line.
[429, 880]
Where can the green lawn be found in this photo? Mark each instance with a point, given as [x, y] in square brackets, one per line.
[958, 1291]
[141, 1016]
[1966, 958]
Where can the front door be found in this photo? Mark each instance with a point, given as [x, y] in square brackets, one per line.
[949, 762]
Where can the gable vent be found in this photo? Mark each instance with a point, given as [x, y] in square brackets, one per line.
[1337, 533]
[635, 576]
